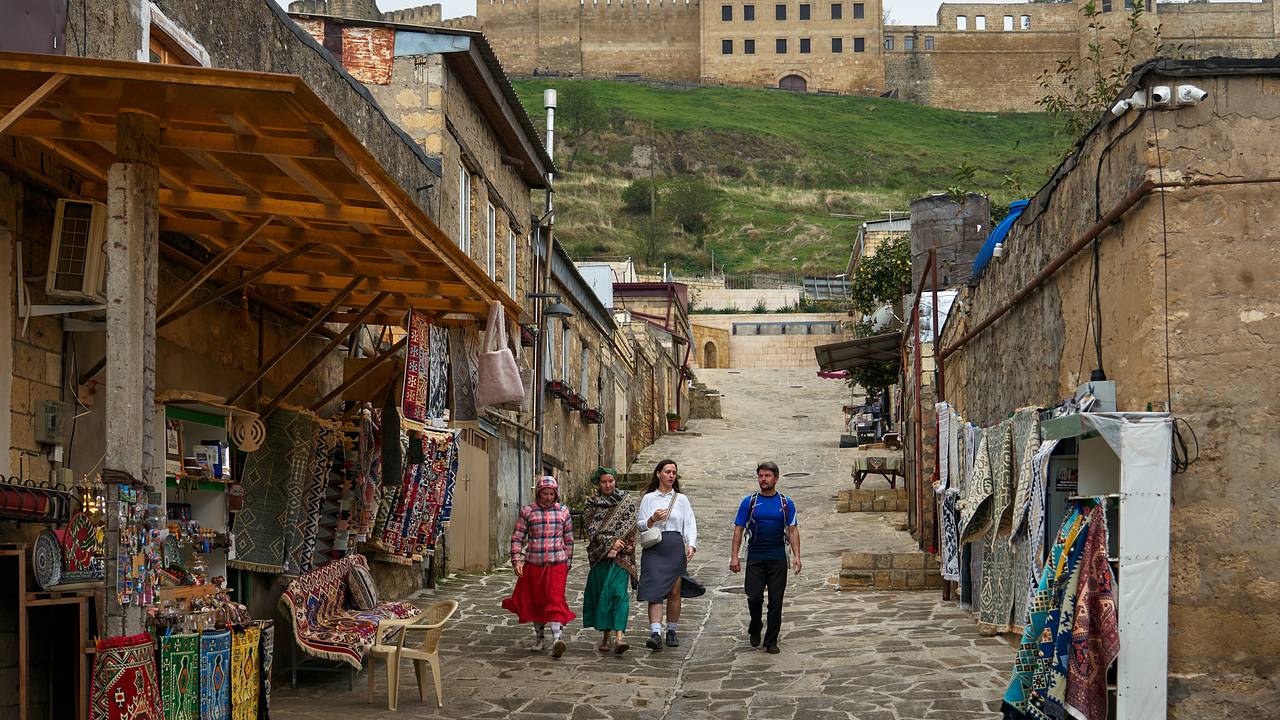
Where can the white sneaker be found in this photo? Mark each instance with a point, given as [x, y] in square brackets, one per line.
[538, 645]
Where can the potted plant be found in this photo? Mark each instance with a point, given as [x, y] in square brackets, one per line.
[578, 402]
[555, 387]
[673, 421]
[592, 416]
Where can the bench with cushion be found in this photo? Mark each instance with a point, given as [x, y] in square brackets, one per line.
[327, 618]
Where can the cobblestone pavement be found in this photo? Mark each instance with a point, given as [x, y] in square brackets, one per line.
[863, 655]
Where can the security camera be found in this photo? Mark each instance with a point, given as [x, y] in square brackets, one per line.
[1161, 95]
[1138, 100]
[1120, 108]
[1190, 95]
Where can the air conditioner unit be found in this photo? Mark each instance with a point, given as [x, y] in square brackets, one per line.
[77, 259]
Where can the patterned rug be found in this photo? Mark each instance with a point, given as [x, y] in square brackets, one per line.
[123, 685]
[1095, 637]
[1026, 440]
[997, 569]
[273, 480]
[266, 653]
[180, 676]
[975, 504]
[323, 626]
[302, 534]
[244, 674]
[438, 391]
[215, 678]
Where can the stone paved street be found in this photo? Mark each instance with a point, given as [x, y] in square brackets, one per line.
[863, 655]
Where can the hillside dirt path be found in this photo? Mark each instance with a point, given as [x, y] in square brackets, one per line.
[854, 655]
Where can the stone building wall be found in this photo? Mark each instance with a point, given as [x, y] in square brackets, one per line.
[775, 348]
[1229, 29]
[656, 40]
[711, 346]
[1224, 634]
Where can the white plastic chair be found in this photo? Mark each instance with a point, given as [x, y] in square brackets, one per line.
[431, 623]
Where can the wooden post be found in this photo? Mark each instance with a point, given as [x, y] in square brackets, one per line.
[132, 279]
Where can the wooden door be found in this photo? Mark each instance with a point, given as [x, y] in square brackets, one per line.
[469, 530]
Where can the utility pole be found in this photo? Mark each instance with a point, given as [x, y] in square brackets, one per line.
[653, 179]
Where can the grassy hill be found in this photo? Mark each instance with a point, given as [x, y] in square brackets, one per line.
[787, 169]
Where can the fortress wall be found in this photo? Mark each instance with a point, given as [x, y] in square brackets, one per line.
[1239, 29]
[420, 15]
[658, 40]
[1044, 16]
[993, 72]
[512, 28]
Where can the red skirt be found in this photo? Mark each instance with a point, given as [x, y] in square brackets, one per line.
[539, 595]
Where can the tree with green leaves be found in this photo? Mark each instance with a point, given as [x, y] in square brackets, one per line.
[690, 202]
[579, 115]
[637, 196]
[883, 277]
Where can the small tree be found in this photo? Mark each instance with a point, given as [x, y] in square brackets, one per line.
[637, 197]
[654, 235]
[690, 202]
[883, 277]
[579, 114]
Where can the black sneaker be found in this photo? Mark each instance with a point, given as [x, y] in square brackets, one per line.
[755, 639]
[672, 640]
[772, 649]
[654, 642]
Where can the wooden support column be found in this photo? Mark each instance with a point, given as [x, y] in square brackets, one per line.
[133, 225]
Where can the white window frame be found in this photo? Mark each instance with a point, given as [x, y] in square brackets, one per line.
[565, 339]
[962, 22]
[513, 256]
[491, 243]
[1008, 23]
[464, 209]
[979, 22]
[1026, 22]
[551, 353]
[586, 366]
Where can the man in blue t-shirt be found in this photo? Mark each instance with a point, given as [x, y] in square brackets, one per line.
[769, 519]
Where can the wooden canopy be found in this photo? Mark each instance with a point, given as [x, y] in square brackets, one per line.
[256, 167]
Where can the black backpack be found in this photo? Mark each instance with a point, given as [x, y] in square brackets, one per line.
[751, 519]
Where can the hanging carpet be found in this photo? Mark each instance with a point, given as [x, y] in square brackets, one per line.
[266, 652]
[244, 674]
[1026, 440]
[273, 478]
[215, 678]
[302, 534]
[180, 676]
[124, 683]
[438, 391]
[1095, 636]
[975, 505]
[997, 571]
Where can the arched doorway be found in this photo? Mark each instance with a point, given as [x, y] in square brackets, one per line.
[793, 82]
[709, 354]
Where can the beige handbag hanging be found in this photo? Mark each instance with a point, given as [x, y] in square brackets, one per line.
[652, 536]
[499, 381]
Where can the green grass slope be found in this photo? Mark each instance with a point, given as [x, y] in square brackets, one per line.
[787, 168]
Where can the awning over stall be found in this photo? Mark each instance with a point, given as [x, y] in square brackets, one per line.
[855, 353]
[257, 168]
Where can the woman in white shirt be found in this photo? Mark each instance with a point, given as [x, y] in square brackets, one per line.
[663, 566]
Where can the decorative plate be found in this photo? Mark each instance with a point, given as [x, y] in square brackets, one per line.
[47, 558]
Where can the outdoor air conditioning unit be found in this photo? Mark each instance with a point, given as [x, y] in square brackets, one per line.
[77, 259]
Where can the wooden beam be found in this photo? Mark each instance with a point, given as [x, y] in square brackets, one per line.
[214, 265]
[194, 226]
[237, 285]
[20, 111]
[216, 166]
[360, 267]
[332, 282]
[361, 374]
[304, 177]
[177, 139]
[399, 301]
[328, 348]
[335, 301]
[209, 202]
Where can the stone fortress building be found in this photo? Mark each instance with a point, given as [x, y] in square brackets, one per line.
[979, 56]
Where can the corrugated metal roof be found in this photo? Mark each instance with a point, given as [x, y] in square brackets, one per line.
[855, 353]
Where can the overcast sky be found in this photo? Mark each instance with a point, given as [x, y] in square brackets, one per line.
[903, 12]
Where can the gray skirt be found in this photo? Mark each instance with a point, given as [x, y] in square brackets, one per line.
[660, 567]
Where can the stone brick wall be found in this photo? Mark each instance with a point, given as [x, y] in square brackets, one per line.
[658, 40]
[1235, 29]
[889, 571]
[1224, 621]
[778, 350]
[885, 500]
[711, 347]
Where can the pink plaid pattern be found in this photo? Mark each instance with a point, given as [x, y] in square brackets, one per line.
[543, 536]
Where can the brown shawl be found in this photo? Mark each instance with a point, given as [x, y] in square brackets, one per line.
[610, 518]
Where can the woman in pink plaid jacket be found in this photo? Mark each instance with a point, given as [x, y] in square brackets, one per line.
[541, 552]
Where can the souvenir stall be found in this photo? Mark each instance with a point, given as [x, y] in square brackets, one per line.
[1055, 528]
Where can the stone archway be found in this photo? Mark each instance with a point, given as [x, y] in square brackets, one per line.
[793, 82]
[710, 355]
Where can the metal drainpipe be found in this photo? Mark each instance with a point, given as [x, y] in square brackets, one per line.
[540, 369]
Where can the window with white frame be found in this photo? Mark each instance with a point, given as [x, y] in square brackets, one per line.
[564, 351]
[550, 359]
[491, 243]
[513, 257]
[1026, 22]
[962, 22]
[464, 209]
[980, 22]
[586, 375]
[1008, 23]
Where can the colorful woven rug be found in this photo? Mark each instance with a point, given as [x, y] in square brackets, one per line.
[273, 479]
[244, 674]
[1095, 637]
[323, 626]
[215, 678]
[180, 676]
[124, 684]
[266, 653]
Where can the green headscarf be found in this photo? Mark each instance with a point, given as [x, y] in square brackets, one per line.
[602, 470]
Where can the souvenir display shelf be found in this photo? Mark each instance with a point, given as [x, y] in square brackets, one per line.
[202, 485]
[1125, 459]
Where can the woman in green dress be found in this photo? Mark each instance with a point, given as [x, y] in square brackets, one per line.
[611, 547]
